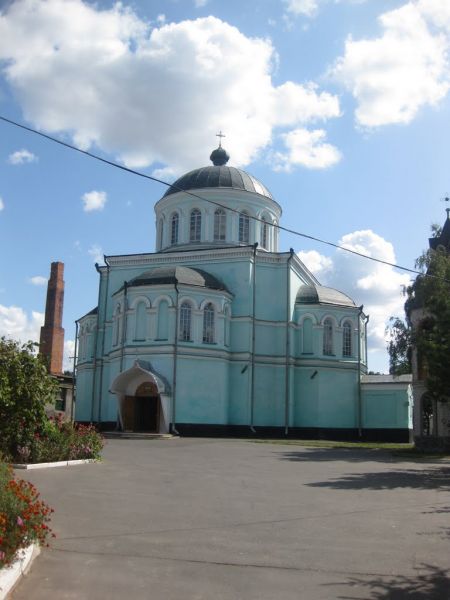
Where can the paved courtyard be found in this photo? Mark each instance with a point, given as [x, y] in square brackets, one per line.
[201, 519]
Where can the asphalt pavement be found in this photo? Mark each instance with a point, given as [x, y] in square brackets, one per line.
[203, 519]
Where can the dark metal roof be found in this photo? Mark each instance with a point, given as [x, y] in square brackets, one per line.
[443, 239]
[94, 311]
[181, 275]
[219, 177]
[310, 294]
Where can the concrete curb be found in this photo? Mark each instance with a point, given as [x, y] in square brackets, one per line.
[49, 465]
[9, 576]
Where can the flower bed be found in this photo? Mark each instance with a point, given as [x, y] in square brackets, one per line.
[23, 516]
[59, 440]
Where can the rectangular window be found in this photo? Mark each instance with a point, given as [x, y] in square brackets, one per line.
[60, 403]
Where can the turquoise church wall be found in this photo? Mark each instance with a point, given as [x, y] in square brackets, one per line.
[387, 408]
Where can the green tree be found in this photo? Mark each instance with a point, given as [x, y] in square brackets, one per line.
[430, 293]
[399, 347]
[25, 389]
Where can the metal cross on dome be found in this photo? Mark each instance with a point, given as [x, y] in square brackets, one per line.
[220, 135]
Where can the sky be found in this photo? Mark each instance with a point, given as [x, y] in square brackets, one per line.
[340, 107]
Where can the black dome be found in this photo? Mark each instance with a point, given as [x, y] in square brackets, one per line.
[218, 177]
[319, 294]
[219, 157]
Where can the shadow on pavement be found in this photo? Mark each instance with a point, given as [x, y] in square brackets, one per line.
[432, 584]
[344, 454]
[437, 478]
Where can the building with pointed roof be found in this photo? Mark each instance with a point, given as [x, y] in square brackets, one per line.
[431, 417]
[218, 332]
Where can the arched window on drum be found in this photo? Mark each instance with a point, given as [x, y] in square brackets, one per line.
[347, 349]
[244, 228]
[209, 324]
[220, 225]
[307, 336]
[174, 223]
[140, 322]
[195, 225]
[264, 233]
[185, 322]
[328, 337]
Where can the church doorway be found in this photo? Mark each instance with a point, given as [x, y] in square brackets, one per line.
[140, 413]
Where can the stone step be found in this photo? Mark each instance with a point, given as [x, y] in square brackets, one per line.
[134, 435]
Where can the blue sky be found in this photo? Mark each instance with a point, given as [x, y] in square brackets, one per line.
[341, 108]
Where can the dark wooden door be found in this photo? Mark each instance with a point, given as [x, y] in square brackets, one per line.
[146, 414]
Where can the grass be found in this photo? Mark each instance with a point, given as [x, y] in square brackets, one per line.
[397, 450]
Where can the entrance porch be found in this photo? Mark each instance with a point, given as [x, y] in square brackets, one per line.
[143, 399]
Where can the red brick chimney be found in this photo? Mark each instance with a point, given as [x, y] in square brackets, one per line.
[52, 333]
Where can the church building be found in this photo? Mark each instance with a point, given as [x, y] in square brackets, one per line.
[218, 332]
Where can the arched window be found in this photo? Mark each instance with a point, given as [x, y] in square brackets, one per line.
[81, 342]
[89, 345]
[328, 337]
[116, 327]
[174, 229]
[195, 228]
[163, 320]
[185, 322]
[244, 228]
[160, 232]
[220, 225]
[307, 336]
[140, 322]
[264, 232]
[227, 326]
[208, 324]
[347, 339]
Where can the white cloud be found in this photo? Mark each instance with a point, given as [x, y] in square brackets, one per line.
[151, 96]
[436, 11]
[15, 323]
[161, 19]
[307, 8]
[379, 287]
[97, 253]
[307, 149]
[93, 201]
[38, 280]
[310, 8]
[69, 349]
[2, 204]
[21, 157]
[317, 263]
[394, 75]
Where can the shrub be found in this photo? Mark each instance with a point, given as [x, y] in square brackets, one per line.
[25, 390]
[61, 440]
[23, 516]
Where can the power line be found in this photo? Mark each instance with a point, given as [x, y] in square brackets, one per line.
[234, 210]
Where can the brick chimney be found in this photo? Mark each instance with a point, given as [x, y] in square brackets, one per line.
[52, 333]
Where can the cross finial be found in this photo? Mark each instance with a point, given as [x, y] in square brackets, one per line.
[220, 135]
[447, 210]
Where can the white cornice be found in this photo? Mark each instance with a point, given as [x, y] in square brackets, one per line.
[127, 260]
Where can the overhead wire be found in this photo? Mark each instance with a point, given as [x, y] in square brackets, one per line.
[215, 203]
